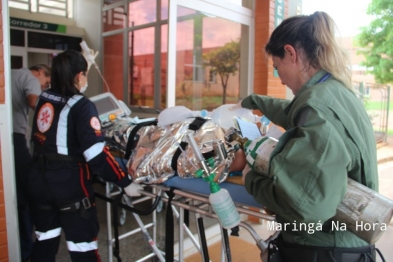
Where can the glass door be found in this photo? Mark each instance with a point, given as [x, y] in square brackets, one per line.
[210, 47]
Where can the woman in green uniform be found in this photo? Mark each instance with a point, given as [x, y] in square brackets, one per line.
[328, 138]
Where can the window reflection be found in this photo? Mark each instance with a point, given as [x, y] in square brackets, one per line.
[52, 7]
[207, 61]
[113, 19]
[182, 11]
[199, 84]
[142, 59]
[142, 12]
[164, 9]
[113, 64]
[141, 54]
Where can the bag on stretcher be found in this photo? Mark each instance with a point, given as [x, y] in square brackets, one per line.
[155, 154]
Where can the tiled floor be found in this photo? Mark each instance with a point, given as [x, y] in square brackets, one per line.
[385, 243]
[135, 247]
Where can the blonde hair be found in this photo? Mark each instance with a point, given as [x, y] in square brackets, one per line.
[314, 37]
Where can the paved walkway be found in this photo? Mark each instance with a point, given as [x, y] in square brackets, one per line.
[385, 151]
[385, 172]
[385, 167]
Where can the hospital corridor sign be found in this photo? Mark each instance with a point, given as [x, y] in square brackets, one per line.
[279, 12]
[31, 24]
[278, 17]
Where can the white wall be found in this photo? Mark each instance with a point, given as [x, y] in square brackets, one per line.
[87, 15]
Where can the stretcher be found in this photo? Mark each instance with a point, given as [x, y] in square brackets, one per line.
[189, 195]
[180, 193]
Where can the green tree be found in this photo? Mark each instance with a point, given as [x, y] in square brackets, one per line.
[377, 41]
[224, 61]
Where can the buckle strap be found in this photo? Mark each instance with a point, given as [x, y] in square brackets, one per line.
[84, 203]
[197, 123]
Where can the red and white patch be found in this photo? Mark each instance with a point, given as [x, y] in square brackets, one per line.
[95, 123]
[45, 117]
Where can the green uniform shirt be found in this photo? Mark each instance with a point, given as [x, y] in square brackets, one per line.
[328, 138]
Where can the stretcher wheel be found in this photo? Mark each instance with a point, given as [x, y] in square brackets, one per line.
[160, 206]
[123, 214]
[122, 217]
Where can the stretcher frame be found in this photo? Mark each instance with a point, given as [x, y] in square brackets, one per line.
[184, 200]
[195, 202]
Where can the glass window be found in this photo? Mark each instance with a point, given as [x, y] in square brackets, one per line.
[113, 19]
[17, 37]
[51, 11]
[52, 41]
[113, 64]
[16, 62]
[53, 7]
[182, 11]
[142, 12]
[23, 4]
[141, 75]
[207, 61]
[164, 9]
[58, 7]
[164, 60]
[211, 54]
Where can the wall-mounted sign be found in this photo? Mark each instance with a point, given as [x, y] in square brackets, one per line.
[279, 12]
[37, 25]
[278, 17]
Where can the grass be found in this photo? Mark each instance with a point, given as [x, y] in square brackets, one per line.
[375, 105]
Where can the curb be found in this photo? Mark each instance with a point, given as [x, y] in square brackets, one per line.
[385, 160]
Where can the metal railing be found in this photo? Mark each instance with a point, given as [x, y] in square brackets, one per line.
[376, 99]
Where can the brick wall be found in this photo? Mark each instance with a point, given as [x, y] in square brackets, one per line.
[264, 81]
[3, 229]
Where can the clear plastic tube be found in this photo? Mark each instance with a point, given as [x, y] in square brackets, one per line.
[195, 148]
[90, 58]
[102, 77]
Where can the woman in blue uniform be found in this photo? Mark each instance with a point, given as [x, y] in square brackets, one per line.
[69, 150]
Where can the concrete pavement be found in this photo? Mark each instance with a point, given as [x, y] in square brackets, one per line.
[385, 173]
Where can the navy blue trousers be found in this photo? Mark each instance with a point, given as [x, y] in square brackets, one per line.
[54, 185]
[22, 160]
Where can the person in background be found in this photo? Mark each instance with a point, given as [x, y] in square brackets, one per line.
[26, 86]
[69, 149]
[328, 138]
